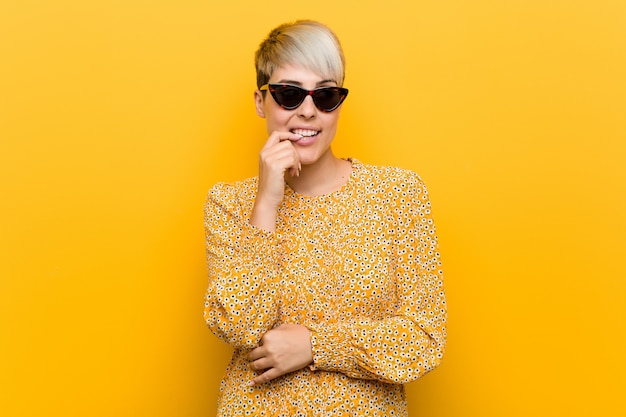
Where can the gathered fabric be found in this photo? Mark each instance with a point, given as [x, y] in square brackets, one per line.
[359, 267]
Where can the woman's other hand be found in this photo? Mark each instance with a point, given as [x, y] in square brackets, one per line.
[284, 349]
[277, 157]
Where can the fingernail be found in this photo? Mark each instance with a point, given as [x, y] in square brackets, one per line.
[251, 383]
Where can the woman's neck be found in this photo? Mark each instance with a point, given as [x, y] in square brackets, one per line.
[326, 175]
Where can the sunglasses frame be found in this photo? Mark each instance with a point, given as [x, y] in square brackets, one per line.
[271, 87]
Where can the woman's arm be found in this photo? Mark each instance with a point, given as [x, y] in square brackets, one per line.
[242, 299]
[241, 302]
[410, 343]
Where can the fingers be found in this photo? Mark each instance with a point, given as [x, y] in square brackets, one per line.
[279, 144]
[284, 349]
[295, 172]
[263, 362]
[259, 362]
[257, 353]
[279, 153]
[277, 157]
[260, 358]
[265, 377]
[277, 137]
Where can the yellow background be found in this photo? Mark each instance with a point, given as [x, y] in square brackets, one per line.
[116, 117]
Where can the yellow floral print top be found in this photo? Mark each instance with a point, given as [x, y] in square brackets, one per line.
[359, 267]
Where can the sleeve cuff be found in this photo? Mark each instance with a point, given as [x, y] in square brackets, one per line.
[331, 348]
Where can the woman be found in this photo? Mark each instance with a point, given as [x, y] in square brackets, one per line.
[324, 273]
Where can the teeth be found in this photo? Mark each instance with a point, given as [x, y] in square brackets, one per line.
[305, 132]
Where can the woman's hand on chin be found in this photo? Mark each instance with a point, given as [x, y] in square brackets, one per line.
[277, 157]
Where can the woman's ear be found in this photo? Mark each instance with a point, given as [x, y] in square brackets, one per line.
[258, 102]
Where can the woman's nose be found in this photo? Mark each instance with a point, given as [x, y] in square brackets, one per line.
[307, 108]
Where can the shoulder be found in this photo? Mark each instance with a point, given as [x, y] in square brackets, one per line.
[233, 193]
[389, 179]
[393, 190]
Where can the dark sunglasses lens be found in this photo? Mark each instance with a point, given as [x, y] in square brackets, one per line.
[325, 98]
[328, 99]
[289, 97]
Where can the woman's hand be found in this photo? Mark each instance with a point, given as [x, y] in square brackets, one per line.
[284, 349]
[277, 157]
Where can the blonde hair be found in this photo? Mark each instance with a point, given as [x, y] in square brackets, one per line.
[305, 43]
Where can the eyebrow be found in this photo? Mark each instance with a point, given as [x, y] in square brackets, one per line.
[294, 82]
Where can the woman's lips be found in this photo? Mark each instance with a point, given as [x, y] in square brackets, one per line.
[305, 132]
[307, 136]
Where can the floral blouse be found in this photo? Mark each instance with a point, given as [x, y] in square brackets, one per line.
[359, 267]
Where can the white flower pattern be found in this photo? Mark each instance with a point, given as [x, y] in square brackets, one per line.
[359, 267]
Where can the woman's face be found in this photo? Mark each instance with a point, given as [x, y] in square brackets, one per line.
[316, 126]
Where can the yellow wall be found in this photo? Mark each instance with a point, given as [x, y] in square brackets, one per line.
[117, 116]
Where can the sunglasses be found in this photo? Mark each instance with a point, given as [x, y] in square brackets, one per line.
[290, 96]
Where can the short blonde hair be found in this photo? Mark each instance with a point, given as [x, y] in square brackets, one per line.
[304, 42]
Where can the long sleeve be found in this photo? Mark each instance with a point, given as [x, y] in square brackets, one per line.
[410, 341]
[359, 267]
[242, 301]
